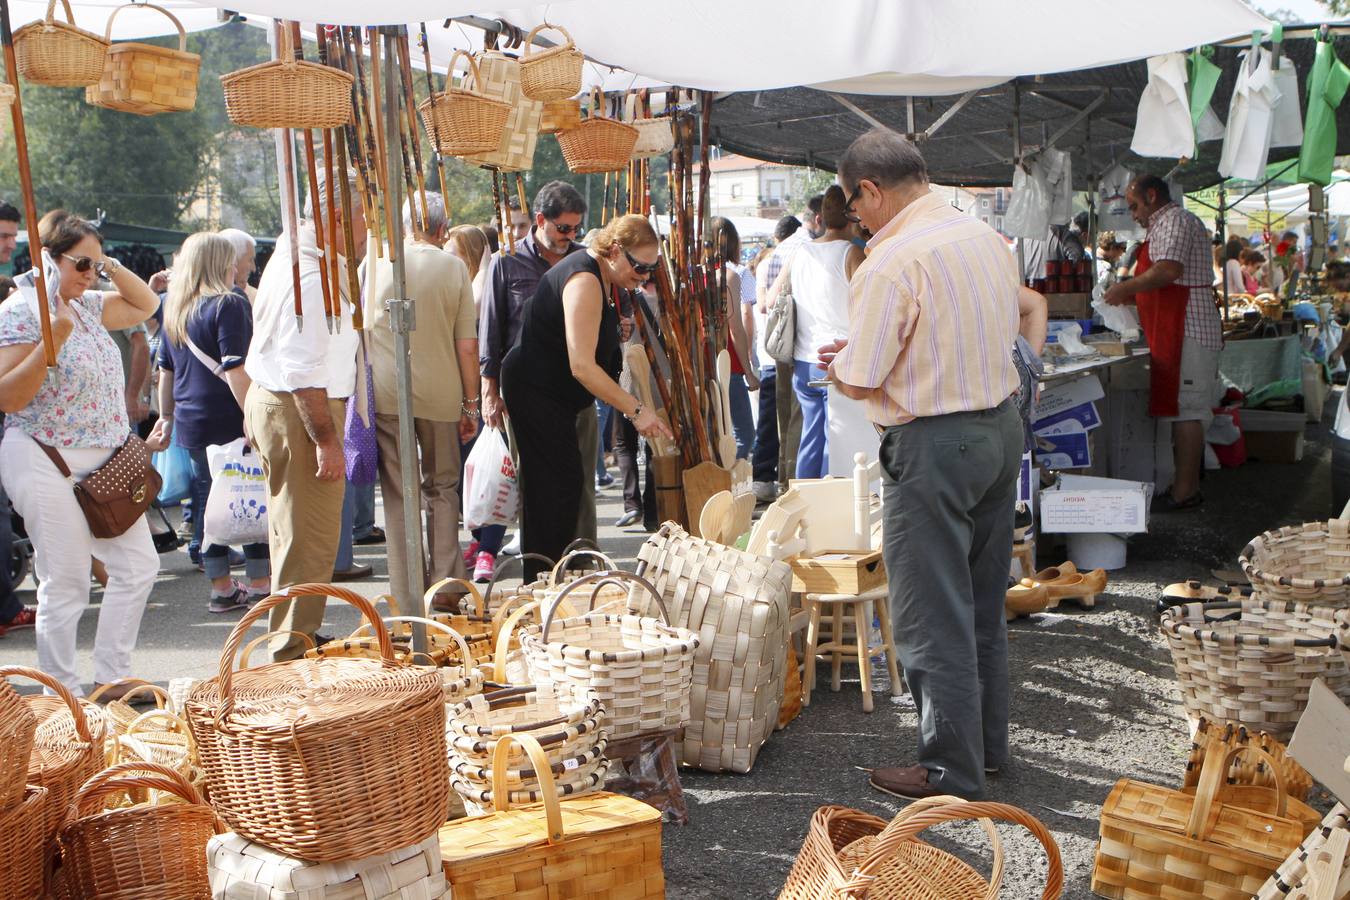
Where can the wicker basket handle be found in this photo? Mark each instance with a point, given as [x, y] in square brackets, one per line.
[180, 725]
[138, 686]
[182, 35]
[252, 645]
[51, 13]
[76, 711]
[480, 606]
[603, 576]
[473, 68]
[241, 628]
[910, 825]
[503, 646]
[561, 566]
[497, 575]
[126, 776]
[543, 770]
[529, 39]
[1213, 773]
[430, 623]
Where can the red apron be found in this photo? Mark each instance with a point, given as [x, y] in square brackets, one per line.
[1162, 313]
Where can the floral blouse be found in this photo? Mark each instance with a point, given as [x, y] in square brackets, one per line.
[84, 405]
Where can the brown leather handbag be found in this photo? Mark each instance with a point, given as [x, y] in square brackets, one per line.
[117, 493]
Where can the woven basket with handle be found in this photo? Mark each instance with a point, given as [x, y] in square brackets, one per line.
[560, 115]
[597, 145]
[297, 753]
[17, 724]
[454, 664]
[1253, 662]
[146, 79]
[120, 712]
[462, 121]
[501, 81]
[552, 74]
[1308, 563]
[598, 845]
[639, 668]
[1246, 768]
[166, 841]
[1161, 842]
[496, 593]
[58, 54]
[851, 854]
[655, 135]
[288, 93]
[23, 865]
[1306, 870]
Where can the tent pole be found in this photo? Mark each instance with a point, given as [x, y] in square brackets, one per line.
[1223, 242]
[402, 321]
[1017, 161]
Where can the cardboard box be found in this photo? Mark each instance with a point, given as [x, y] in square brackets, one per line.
[1069, 306]
[1070, 400]
[1082, 504]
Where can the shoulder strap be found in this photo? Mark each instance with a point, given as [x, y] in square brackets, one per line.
[55, 457]
[211, 365]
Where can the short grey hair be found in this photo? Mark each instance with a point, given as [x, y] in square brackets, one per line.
[436, 215]
[884, 158]
[310, 203]
[243, 242]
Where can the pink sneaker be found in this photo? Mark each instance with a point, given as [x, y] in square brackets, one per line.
[471, 554]
[484, 567]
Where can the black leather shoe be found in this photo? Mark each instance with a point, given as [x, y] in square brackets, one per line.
[355, 573]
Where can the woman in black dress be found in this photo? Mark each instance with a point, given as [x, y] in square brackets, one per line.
[566, 357]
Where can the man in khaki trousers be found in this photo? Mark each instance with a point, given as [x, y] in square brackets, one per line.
[302, 375]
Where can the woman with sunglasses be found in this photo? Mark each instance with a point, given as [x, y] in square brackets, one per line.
[80, 410]
[566, 357]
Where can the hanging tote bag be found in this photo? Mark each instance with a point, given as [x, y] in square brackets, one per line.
[780, 336]
[358, 437]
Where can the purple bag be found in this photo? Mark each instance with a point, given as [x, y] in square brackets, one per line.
[358, 438]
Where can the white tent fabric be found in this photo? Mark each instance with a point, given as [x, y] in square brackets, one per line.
[1292, 201]
[92, 15]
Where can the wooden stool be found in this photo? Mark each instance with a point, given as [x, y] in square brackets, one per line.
[859, 608]
[1024, 553]
[647, 752]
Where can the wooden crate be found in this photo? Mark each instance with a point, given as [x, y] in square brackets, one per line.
[1069, 306]
[838, 572]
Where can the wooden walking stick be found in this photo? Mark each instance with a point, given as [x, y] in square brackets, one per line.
[355, 133]
[312, 169]
[370, 148]
[381, 146]
[26, 188]
[410, 118]
[520, 195]
[435, 127]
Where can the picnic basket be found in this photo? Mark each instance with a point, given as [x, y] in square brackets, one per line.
[58, 54]
[17, 724]
[120, 712]
[1308, 562]
[1157, 841]
[851, 854]
[1252, 662]
[552, 74]
[143, 850]
[639, 668]
[162, 737]
[447, 654]
[1297, 872]
[296, 753]
[146, 79]
[1246, 769]
[23, 866]
[240, 868]
[463, 121]
[598, 845]
[288, 93]
[559, 115]
[597, 143]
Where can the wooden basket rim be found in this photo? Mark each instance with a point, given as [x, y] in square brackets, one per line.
[290, 66]
[1288, 532]
[1170, 624]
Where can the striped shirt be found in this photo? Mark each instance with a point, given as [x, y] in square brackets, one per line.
[932, 316]
[1178, 235]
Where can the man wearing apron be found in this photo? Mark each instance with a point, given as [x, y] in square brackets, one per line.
[1173, 290]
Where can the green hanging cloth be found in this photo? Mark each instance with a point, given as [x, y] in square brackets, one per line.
[1203, 77]
[1327, 83]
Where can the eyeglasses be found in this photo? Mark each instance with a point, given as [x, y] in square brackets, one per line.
[563, 229]
[849, 214]
[85, 263]
[642, 268]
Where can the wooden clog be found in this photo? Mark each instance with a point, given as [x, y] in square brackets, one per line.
[1023, 600]
[1055, 573]
[1080, 586]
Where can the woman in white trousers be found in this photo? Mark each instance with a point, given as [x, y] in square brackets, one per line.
[80, 411]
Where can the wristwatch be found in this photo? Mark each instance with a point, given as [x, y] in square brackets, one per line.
[111, 265]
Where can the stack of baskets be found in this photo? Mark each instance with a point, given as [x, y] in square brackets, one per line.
[464, 121]
[23, 806]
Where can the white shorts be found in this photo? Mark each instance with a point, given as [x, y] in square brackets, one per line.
[1199, 381]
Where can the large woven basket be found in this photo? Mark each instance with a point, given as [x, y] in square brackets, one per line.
[738, 604]
[641, 669]
[462, 121]
[515, 150]
[1295, 873]
[560, 115]
[120, 712]
[447, 654]
[598, 845]
[17, 724]
[1309, 562]
[855, 855]
[552, 74]
[597, 144]
[23, 865]
[1246, 768]
[241, 869]
[58, 54]
[162, 737]
[1252, 662]
[1160, 842]
[323, 759]
[146, 79]
[144, 850]
[656, 137]
[496, 594]
[288, 93]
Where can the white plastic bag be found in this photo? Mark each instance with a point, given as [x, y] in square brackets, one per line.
[490, 493]
[1028, 214]
[236, 510]
[1123, 320]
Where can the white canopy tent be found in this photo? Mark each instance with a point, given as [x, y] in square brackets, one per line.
[1291, 202]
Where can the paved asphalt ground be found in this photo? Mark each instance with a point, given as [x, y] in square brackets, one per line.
[1093, 700]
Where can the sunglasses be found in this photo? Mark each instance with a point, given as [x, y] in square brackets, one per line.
[849, 214]
[642, 268]
[84, 264]
[564, 229]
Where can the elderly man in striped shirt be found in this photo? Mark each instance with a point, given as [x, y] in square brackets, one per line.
[933, 317]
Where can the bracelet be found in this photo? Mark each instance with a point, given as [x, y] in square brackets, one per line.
[632, 417]
[469, 412]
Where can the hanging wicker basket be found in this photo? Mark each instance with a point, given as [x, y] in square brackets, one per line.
[1308, 563]
[552, 74]
[17, 724]
[656, 136]
[463, 121]
[58, 54]
[146, 79]
[23, 864]
[560, 115]
[597, 145]
[1253, 662]
[297, 753]
[288, 93]
[167, 841]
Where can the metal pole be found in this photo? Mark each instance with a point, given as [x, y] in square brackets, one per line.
[402, 321]
[1223, 242]
[1017, 161]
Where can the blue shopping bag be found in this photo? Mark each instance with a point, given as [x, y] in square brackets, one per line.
[175, 467]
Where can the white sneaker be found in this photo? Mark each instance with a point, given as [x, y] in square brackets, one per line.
[765, 491]
[512, 547]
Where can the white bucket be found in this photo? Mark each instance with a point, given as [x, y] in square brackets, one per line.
[1096, 551]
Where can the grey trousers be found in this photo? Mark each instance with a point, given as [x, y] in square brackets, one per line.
[588, 440]
[789, 422]
[948, 496]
